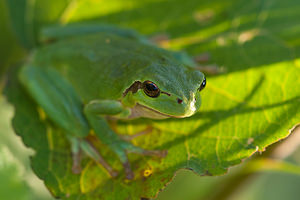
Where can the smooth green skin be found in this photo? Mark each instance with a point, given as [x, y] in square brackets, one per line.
[81, 77]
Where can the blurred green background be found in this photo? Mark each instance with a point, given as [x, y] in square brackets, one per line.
[182, 22]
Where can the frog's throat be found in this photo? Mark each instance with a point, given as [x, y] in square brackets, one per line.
[143, 111]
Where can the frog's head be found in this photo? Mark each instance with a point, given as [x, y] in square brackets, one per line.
[166, 92]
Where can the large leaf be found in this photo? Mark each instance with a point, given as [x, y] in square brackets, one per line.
[9, 49]
[244, 110]
[29, 16]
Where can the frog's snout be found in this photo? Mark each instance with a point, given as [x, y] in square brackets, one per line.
[192, 103]
[189, 105]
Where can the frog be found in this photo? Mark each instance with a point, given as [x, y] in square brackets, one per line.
[81, 76]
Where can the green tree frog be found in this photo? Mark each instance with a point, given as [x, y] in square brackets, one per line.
[86, 73]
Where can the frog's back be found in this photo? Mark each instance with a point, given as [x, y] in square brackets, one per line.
[100, 66]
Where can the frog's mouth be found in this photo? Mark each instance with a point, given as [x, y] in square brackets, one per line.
[143, 111]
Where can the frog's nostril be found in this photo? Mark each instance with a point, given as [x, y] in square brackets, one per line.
[179, 101]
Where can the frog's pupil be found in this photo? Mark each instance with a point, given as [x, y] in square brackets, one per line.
[203, 84]
[151, 89]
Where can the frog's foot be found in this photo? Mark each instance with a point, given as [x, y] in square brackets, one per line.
[125, 147]
[202, 60]
[210, 69]
[149, 129]
[76, 157]
[85, 146]
[159, 39]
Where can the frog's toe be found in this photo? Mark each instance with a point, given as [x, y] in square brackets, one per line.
[126, 164]
[211, 69]
[128, 171]
[157, 153]
[202, 58]
[130, 148]
[85, 146]
[128, 138]
[125, 147]
[76, 167]
[92, 152]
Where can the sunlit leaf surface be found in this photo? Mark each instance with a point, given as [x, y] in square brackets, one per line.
[251, 106]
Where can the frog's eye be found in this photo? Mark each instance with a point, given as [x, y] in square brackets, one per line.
[151, 89]
[203, 84]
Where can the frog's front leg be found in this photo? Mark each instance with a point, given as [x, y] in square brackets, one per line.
[64, 107]
[95, 112]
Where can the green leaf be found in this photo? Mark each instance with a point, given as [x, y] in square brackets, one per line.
[29, 16]
[9, 49]
[254, 104]
[272, 165]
